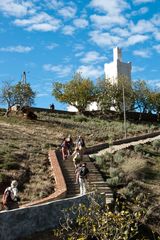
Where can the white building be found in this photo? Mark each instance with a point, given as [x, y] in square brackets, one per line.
[91, 107]
[112, 72]
[117, 68]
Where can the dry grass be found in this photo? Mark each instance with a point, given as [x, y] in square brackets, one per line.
[27, 142]
[133, 165]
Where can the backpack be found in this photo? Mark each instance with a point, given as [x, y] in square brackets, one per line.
[6, 197]
[83, 172]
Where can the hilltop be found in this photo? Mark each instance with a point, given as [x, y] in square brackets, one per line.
[24, 146]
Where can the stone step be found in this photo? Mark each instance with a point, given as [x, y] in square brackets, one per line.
[95, 179]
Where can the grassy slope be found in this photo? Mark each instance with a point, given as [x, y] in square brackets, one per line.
[135, 173]
[24, 146]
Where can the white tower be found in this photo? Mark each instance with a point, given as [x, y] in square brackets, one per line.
[117, 68]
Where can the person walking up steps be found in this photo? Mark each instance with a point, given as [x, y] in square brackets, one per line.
[83, 175]
[80, 144]
[64, 149]
[77, 170]
[76, 157]
[70, 144]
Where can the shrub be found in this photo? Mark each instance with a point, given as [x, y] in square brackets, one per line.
[156, 144]
[138, 148]
[114, 181]
[100, 160]
[113, 172]
[118, 157]
[94, 222]
[108, 156]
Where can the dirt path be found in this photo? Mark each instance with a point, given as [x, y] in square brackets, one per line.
[115, 148]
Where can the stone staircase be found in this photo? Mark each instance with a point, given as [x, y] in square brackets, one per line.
[95, 180]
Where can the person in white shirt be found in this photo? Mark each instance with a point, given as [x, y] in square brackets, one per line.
[10, 197]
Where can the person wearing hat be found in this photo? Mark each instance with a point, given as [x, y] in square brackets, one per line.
[10, 197]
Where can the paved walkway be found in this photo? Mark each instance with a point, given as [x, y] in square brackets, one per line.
[115, 148]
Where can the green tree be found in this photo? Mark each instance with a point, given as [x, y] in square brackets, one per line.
[23, 94]
[78, 92]
[155, 101]
[142, 96]
[111, 95]
[105, 94]
[7, 94]
[124, 86]
[20, 94]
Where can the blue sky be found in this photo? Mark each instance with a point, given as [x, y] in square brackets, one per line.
[52, 39]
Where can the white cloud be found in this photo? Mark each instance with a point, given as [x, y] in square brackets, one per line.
[142, 53]
[107, 21]
[79, 54]
[121, 32]
[52, 46]
[18, 49]
[142, 1]
[136, 39]
[112, 13]
[114, 7]
[68, 30]
[157, 48]
[15, 8]
[140, 11]
[67, 12]
[39, 22]
[92, 56]
[156, 19]
[143, 10]
[80, 23]
[53, 4]
[137, 69]
[91, 71]
[59, 70]
[78, 47]
[42, 27]
[105, 39]
[155, 83]
[142, 26]
[157, 35]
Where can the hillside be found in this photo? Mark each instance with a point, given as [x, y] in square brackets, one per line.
[24, 146]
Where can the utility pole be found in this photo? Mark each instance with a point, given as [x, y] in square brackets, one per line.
[124, 112]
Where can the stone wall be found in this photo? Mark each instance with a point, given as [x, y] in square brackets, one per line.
[22, 222]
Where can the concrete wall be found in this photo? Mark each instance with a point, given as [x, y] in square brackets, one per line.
[22, 222]
[102, 146]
